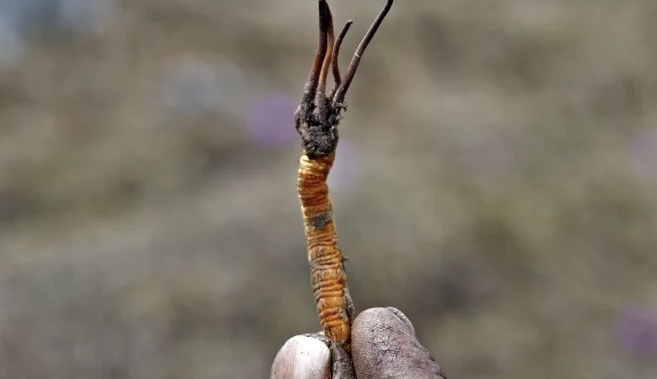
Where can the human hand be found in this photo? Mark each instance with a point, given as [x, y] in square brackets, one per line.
[383, 346]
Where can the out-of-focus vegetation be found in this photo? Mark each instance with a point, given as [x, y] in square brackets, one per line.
[496, 181]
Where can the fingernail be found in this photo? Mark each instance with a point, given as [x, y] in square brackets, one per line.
[403, 318]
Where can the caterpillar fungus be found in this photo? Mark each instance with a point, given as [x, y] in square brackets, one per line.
[316, 120]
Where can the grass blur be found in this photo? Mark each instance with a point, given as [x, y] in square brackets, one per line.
[498, 184]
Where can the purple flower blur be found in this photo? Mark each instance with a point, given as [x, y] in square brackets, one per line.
[346, 167]
[636, 332]
[270, 121]
[643, 155]
[194, 87]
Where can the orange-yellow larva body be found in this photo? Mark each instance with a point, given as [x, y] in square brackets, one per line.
[328, 278]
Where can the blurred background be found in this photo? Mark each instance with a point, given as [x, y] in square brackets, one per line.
[496, 181]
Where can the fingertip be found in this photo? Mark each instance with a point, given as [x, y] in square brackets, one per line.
[302, 357]
[388, 315]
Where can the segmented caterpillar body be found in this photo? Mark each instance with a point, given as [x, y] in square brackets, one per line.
[328, 277]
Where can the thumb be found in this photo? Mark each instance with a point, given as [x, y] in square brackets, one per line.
[384, 346]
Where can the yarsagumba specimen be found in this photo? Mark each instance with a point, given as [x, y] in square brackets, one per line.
[316, 120]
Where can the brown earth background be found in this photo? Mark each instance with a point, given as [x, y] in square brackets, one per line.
[497, 184]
